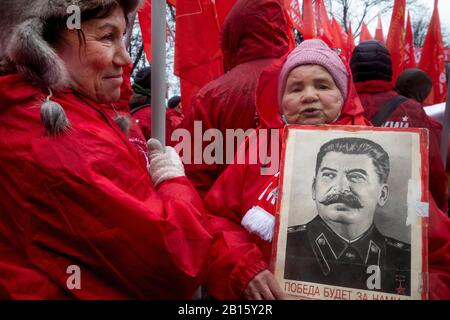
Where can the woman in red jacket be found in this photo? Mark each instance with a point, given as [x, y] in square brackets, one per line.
[81, 215]
[313, 87]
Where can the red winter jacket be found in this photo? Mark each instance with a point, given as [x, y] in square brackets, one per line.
[376, 94]
[85, 199]
[254, 33]
[142, 117]
[237, 255]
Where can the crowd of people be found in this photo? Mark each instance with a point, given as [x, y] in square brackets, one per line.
[84, 184]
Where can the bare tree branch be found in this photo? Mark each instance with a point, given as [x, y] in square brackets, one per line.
[354, 13]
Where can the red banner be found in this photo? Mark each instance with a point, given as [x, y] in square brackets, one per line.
[323, 24]
[409, 60]
[379, 30]
[365, 33]
[309, 29]
[198, 57]
[432, 59]
[395, 39]
[350, 43]
[145, 22]
[340, 39]
[296, 16]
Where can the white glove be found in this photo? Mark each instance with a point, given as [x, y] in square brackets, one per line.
[165, 163]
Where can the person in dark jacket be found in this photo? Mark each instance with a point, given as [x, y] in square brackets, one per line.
[371, 67]
[142, 94]
[414, 83]
[254, 34]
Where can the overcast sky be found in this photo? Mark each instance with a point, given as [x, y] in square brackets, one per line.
[444, 11]
[444, 14]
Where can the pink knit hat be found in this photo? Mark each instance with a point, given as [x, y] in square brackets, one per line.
[314, 51]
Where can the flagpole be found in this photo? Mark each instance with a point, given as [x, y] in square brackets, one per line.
[445, 129]
[158, 70]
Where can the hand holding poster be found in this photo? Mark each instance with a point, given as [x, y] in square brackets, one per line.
[352, 212]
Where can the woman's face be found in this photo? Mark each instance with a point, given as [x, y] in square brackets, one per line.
[95, 70]
[311, 96]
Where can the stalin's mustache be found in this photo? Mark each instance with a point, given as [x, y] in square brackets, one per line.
[349, 199]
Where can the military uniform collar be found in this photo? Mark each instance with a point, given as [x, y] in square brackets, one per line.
[368, 244]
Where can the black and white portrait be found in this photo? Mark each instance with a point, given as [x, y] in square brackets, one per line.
[348, 206]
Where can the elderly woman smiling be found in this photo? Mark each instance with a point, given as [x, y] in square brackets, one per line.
[81, 214]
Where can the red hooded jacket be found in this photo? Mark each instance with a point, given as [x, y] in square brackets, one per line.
[237, 256]
[254, 33]
[374, 95]
[85, 199]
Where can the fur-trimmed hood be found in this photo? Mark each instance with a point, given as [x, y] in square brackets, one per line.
[22, 25]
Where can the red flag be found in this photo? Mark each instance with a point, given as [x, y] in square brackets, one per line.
[198, 57]
[323, 23]
[379, 30]
[350, 43]
[395, 39]
[295, 14]
[432, 59]
[338, 38]
[309, 29]
[344, 35]
[145, 22]
[336, 33]
[365, 34]
[409, 60]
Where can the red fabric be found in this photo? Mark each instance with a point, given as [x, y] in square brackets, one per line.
[174, 119]
[142, 117]
[237, 256]
[145, 22]
[350, 43]
[340, 39]
[309, 29]
[198, 58]
[432, 59]
[85, 198]
[409, 60]
[365, 34]
[376, 94]
[296, 16]
[223, 7]
[323, 24]
[250, 43]
[396, 39]
[379, 30]
[438, 253]
[290, 30]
